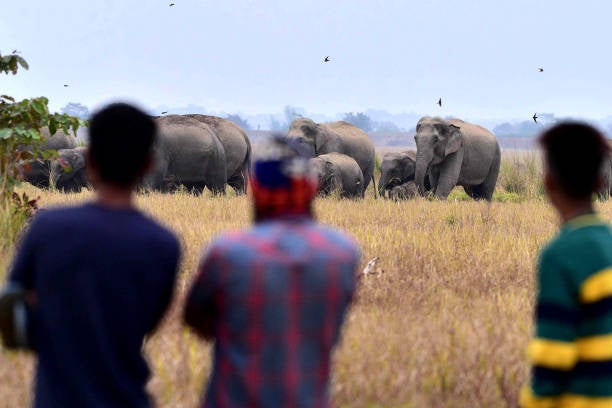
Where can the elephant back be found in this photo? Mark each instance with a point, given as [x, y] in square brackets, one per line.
[346, 138]
[234, 139]
[188, 149]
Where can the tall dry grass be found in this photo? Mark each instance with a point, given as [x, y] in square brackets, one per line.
[445, 324]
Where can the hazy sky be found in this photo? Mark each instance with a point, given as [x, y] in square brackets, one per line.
[257, 56]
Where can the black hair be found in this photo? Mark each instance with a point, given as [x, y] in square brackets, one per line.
[121, 138]
[574, 154]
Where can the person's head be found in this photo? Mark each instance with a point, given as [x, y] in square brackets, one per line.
[573, 156]
[121, 140]
[282, 181]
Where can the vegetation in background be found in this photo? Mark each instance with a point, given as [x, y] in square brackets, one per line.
[20, 125]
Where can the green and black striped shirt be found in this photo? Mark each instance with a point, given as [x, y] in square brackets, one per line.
[571, 353]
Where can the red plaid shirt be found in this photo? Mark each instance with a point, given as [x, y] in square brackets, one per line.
[274, 299]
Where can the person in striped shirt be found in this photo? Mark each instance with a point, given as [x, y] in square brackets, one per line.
[571, 352]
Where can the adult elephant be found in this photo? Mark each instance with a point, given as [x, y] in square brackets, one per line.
[315, 139]
[237, 148]
[397, 168]
[68, 170]
[455, 152]
[188, 153]
[338, 172]
[37, 171]
[606, 177]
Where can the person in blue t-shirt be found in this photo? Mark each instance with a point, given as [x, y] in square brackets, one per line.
[99, 276]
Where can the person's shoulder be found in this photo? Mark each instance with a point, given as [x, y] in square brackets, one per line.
[159, 233]
[336, 238]
[57, 215]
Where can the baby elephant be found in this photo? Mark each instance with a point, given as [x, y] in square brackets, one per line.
[404, 191]
[338, 172]
[396, 168]
[68, 170]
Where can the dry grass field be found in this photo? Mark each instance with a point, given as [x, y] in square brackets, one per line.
[445, 324]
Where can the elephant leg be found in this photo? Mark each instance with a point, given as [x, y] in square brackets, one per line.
[449, 174]
[237, 182]
[487, 188]
[476, 192]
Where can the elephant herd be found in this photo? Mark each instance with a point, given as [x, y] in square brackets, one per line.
[200, 151]
[194, 151]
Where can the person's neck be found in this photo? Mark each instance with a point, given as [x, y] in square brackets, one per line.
[114, 197]
[573, 209]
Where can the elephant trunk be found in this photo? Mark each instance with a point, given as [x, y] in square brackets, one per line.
[382, 184]
[421, 167]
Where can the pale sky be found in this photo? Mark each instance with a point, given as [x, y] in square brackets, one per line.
[257, 56]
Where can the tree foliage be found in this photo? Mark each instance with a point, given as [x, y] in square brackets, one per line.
[76, 109]
[239, 120]
[20, 125]
[359, 119]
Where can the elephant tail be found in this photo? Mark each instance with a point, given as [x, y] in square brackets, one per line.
[246, 167]
[375, 190]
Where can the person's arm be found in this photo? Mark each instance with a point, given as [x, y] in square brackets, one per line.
[21, 271]
[200, 308]
[552, 353]
[171, 263]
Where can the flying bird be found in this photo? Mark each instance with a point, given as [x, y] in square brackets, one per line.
[65, 85]
[541, 69]
[171, 4]
[326, 59]
[164, 112]
[535, 117]
[440, 102]
[15, 51]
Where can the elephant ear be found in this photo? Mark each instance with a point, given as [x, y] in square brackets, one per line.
[455, 140]
[309, 129]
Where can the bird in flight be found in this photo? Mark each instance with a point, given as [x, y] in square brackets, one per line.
[171, 4]
[535, 117]
[541, 69]
[65, 85]
[15, 51]
[326, 59]
[164, 112]
[440, 102]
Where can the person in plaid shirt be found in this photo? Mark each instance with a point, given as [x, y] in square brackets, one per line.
[274, 297]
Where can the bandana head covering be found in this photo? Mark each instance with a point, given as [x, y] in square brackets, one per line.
[282, 182]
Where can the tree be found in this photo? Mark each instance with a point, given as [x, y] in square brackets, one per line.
[291, 113]
[20, 124]
[76, 109]
[237, 119]
[275, 124]
[386, 126]
[359, 119]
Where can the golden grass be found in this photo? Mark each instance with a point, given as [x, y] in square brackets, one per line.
[446, 324]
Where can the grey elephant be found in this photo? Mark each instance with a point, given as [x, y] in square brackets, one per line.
[237, 148]
[455, 152]
[37, 172]
[315, 139]
[68, 170]
[404, 191]
[606, 177]
[187, 153]
[338, 172]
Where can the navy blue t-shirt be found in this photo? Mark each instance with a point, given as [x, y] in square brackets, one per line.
[103, 278]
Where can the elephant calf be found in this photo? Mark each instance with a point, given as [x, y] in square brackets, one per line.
[404, 191]
[396, 168]
[338, 172]
[68, 170]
